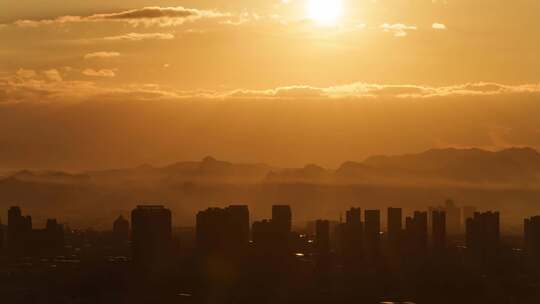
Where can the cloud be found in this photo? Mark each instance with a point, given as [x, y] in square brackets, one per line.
[31, 85]
[101, 55]
[23, 73]
[398, 29]
[153, 15]
[100, 73]
[141, 36]
[53, 75]
[438, 26]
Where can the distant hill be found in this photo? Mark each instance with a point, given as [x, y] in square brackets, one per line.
[513, 167]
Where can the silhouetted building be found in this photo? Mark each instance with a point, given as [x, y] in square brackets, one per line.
[453, 217]
[467, 212]
[483, 234]
[282, 218]
[238, 226]
[282, 221]
[56, 233]
[48, 241]
[266, 238]
[353, 216]
[151, 236]
[121, 229]
[394, 229]
[438, 230]
[416, 233]
[19, 232]
[372, 233]
[223, 230]
[2, 238]
[531, 231]
[351, 236]
[322, 236]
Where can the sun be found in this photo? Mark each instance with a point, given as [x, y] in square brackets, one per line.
[326, 12]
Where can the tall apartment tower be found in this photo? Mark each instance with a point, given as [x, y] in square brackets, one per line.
[531, 231]
[282, 218]
[438, 230]
[151, 236]
[223, 230]
[394, 229]
[483, 234]
[18, 232]
[467, 213]
[238, 225]
[416, 233]
[372, 233]
[322, 236]
[351, 236]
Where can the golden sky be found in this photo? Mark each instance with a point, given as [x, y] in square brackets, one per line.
[93, 83]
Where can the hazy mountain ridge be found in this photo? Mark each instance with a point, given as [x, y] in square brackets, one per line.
[514, 166]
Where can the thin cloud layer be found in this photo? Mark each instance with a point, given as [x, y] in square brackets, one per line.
[438, 26]
[108, 73]
[30, 86]
[398, 29]
[101, 55]
[154, 15]
[140, 37]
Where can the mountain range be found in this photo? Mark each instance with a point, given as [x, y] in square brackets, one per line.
[512, 167]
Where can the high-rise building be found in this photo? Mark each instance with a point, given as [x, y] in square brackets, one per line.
[531, 231]
[438, 230]
[223, 230]
[267, 239]
[467, 212]
[238, 225]
[353, 216]
[282, 218]
[350, 237]
[416, 233]
[151, 236]
[372, 233]
[483, 234]
[394, 231]
[121, 229]
[453, 217]
[19, 232]
[2, 239]
[322, 236]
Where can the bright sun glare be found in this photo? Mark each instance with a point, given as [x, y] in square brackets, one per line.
[326, 12]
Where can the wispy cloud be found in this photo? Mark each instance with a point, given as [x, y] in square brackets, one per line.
[101, 55]
[153, 15]
[141, 36]
[31, 85]
[398, 29]
[438, 26]
[99, 73]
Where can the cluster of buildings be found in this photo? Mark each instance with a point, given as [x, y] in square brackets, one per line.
[21, 239]
[359, 237]
[229, 232]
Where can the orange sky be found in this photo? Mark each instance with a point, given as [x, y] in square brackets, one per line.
[90, 83]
